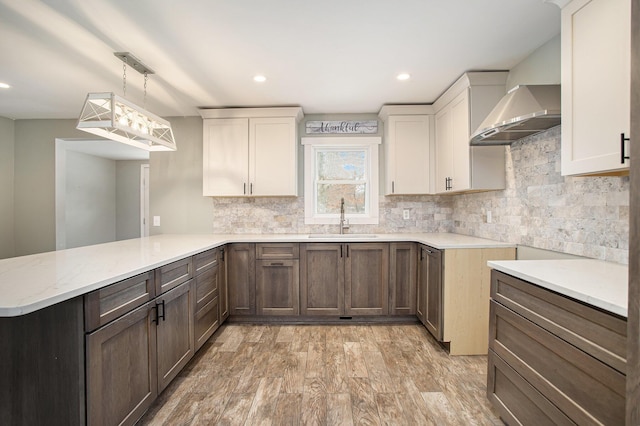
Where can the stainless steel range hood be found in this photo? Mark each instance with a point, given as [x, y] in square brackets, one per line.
[525, 110]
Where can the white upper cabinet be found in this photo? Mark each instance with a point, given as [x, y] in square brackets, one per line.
[250, 152]
[596, 74]
[459, 111]
[408, 148]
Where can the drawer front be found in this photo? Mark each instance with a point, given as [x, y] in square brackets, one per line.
[108, 303]
[585, 389]
[278, 251]
[207, 286]
[206, 322]
[598, 333]
[516, 400]
[205, 260]
[172, 275]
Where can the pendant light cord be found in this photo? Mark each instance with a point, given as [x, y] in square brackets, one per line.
[124, 78]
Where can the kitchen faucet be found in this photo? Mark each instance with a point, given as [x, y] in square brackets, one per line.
[344, 223]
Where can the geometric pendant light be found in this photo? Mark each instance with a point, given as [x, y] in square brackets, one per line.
[113, 117]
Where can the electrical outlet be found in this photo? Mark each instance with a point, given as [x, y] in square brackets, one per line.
[405, 214]
[156, 221]
[489, 216]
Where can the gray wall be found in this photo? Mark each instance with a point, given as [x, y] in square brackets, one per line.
[34, 187]
[90, 195]
[541, 67]
[128, 199]
[176, 183]
[7, 138]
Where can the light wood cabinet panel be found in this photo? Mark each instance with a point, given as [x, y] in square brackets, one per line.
[322, 279]
[367, 279]
[459, 111]
[595, 86]
[409, 149]
[175, 334]
[277, 287]
[241, 273]
[121, 369]
[402, 278]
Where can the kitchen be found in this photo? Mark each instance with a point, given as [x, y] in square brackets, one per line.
[521, 214]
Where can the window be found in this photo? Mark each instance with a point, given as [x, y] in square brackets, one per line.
[341, 168]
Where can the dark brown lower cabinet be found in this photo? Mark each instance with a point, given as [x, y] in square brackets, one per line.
[223, 303]
[338, 279]
[430, 290]
[277, 287]
[402, 278]
[121, 368]
[130, 360]
[207, 290]
[552, 359]
[241, 272]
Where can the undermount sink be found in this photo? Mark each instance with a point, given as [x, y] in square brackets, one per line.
[343, 236]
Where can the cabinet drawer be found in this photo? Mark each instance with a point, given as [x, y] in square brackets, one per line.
[205, 260]
[108, 303]
[277, 251]
[206, 322]
[207, 286]
[172, 275]
[600, 334]
[517, 401]
[585, 389]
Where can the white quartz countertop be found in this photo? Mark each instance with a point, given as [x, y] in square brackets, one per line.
[33, 282]
[595, 282]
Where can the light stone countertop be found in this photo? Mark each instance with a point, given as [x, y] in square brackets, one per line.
[595, 282]
[30, 283]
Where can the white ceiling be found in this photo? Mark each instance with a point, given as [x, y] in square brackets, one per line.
[328, 56]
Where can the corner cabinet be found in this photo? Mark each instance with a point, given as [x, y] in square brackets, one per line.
[459, 111]
[596, 78]
[250, 151]
[408, 149]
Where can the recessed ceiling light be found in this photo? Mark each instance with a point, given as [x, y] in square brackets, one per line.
[4, 85]
[259, 78]
[403, 76]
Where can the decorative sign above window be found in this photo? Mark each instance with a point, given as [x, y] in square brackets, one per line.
[335, 127]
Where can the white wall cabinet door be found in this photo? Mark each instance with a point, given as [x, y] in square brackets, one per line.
[226, 156]
[250, 156]
[273, 156]
[596, 76]
[408, 154]
[444, 150]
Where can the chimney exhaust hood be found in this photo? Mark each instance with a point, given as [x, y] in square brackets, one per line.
[524, 111]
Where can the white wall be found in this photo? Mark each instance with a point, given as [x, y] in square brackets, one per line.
[128, 199]
[7, 138]
[541, 67]
[90, 208]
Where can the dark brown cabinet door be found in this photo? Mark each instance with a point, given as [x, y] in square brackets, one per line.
[175, 331]
[421, 288]
[402, 278]
[366, 279]
[207, 288]
[277, 287]
[121, 368]
[322, 279]
[434, 292]
[223, 302]
[241, 272]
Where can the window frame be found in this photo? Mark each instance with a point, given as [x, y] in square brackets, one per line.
[371, 147]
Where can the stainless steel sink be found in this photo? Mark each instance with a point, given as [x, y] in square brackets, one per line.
[344, 236]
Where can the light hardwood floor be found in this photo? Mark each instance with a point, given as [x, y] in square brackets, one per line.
[325, 375]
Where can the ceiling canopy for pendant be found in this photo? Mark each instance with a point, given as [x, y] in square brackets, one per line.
[113, 117]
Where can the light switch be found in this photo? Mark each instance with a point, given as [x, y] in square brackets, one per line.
[405, 214]
[156, 221]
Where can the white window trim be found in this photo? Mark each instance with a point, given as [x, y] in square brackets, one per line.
[371, 144]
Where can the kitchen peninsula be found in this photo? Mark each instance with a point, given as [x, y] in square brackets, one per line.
[58, 310]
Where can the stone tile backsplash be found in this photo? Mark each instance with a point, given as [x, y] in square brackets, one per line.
[586, 216]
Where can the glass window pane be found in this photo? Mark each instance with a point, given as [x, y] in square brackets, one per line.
[341, 165]
[329, 196]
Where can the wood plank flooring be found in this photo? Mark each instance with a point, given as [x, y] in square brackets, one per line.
[325, 375]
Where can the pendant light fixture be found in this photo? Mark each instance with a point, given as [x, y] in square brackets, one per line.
[113, 117]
